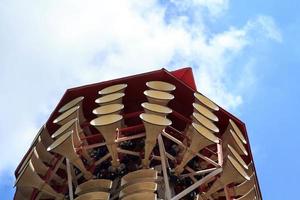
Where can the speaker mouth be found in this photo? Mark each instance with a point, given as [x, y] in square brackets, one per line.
[108, 109]
[155, 119]
[106, 120]
[238, 142]
[205, 133]
[238, 167]
[156, 108]
[206, 101]
[158, 95]
[237, 131]
[71, 104]
[112, 89]
[93, 185]
[206, 122]
[109, 98]
[63, 128]
[161, 85]
[66, 114]
[237, 156]
[205, 112]
[59, 141]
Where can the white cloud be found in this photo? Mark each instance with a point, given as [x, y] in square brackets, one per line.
[49, 46]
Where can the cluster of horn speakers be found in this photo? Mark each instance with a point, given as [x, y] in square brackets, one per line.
[167, 166]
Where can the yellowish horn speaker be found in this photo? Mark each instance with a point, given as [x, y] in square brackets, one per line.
[93, 185]
[238, 132]
[141, 195]
[94, 196]
[232, 172]
[158, 97]
[154, 124]
[107, 125]
[73, 125]
[156, 109]
[139, 187]
[231, 151]
[250, 168]
[142, 175]
[161, 85]
[70, 114]
[64, 147]
[199, 98]
[230, 137]
[205, 112]
[245, 186]
[75, 102]
[45, 136]
[23, 193]
[44, 155]
[200, 119]
[41, 168]
[108, 109]
[29, 178]
[240, 189]
[200, 138]
[110, 99]
[120, 88]
[250, 195]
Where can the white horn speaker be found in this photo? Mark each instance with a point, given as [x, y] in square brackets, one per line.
[45, 136]
[107, 125]
[200, 138]
[232, 172]
[44, 155]
[64, 147]
[94, 185]
[142, 175]
[156, 109]
[138, 187]
[205, 112]
[120, 88]
[231, 151]
[141, 196]
[161, 85]
[250, 195]
[73, 125]
[41, 168]
[238, 132]
[200, 119]
[29, 178]
[230, 137]
[75, 102]
[250, 168]
[199, 98]
[70, 114]
[110, 99]
[94, 196]
[23, 193]
[154, 124]
[158, 97]
[108, 109]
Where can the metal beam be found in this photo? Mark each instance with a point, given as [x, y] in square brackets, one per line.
[197, 184]
[164, 167]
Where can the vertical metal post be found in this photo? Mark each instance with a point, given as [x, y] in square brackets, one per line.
[164, 167]
[69, 179]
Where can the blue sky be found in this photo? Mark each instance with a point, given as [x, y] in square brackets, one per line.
[244, 55]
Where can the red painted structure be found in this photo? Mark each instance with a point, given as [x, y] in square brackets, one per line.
[182, 108]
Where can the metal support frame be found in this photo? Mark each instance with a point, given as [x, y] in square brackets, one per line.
[164, 167]
[69, 175]
[184, 146]
[197, 184]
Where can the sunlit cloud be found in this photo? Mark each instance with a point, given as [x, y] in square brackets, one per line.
[49, 46]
